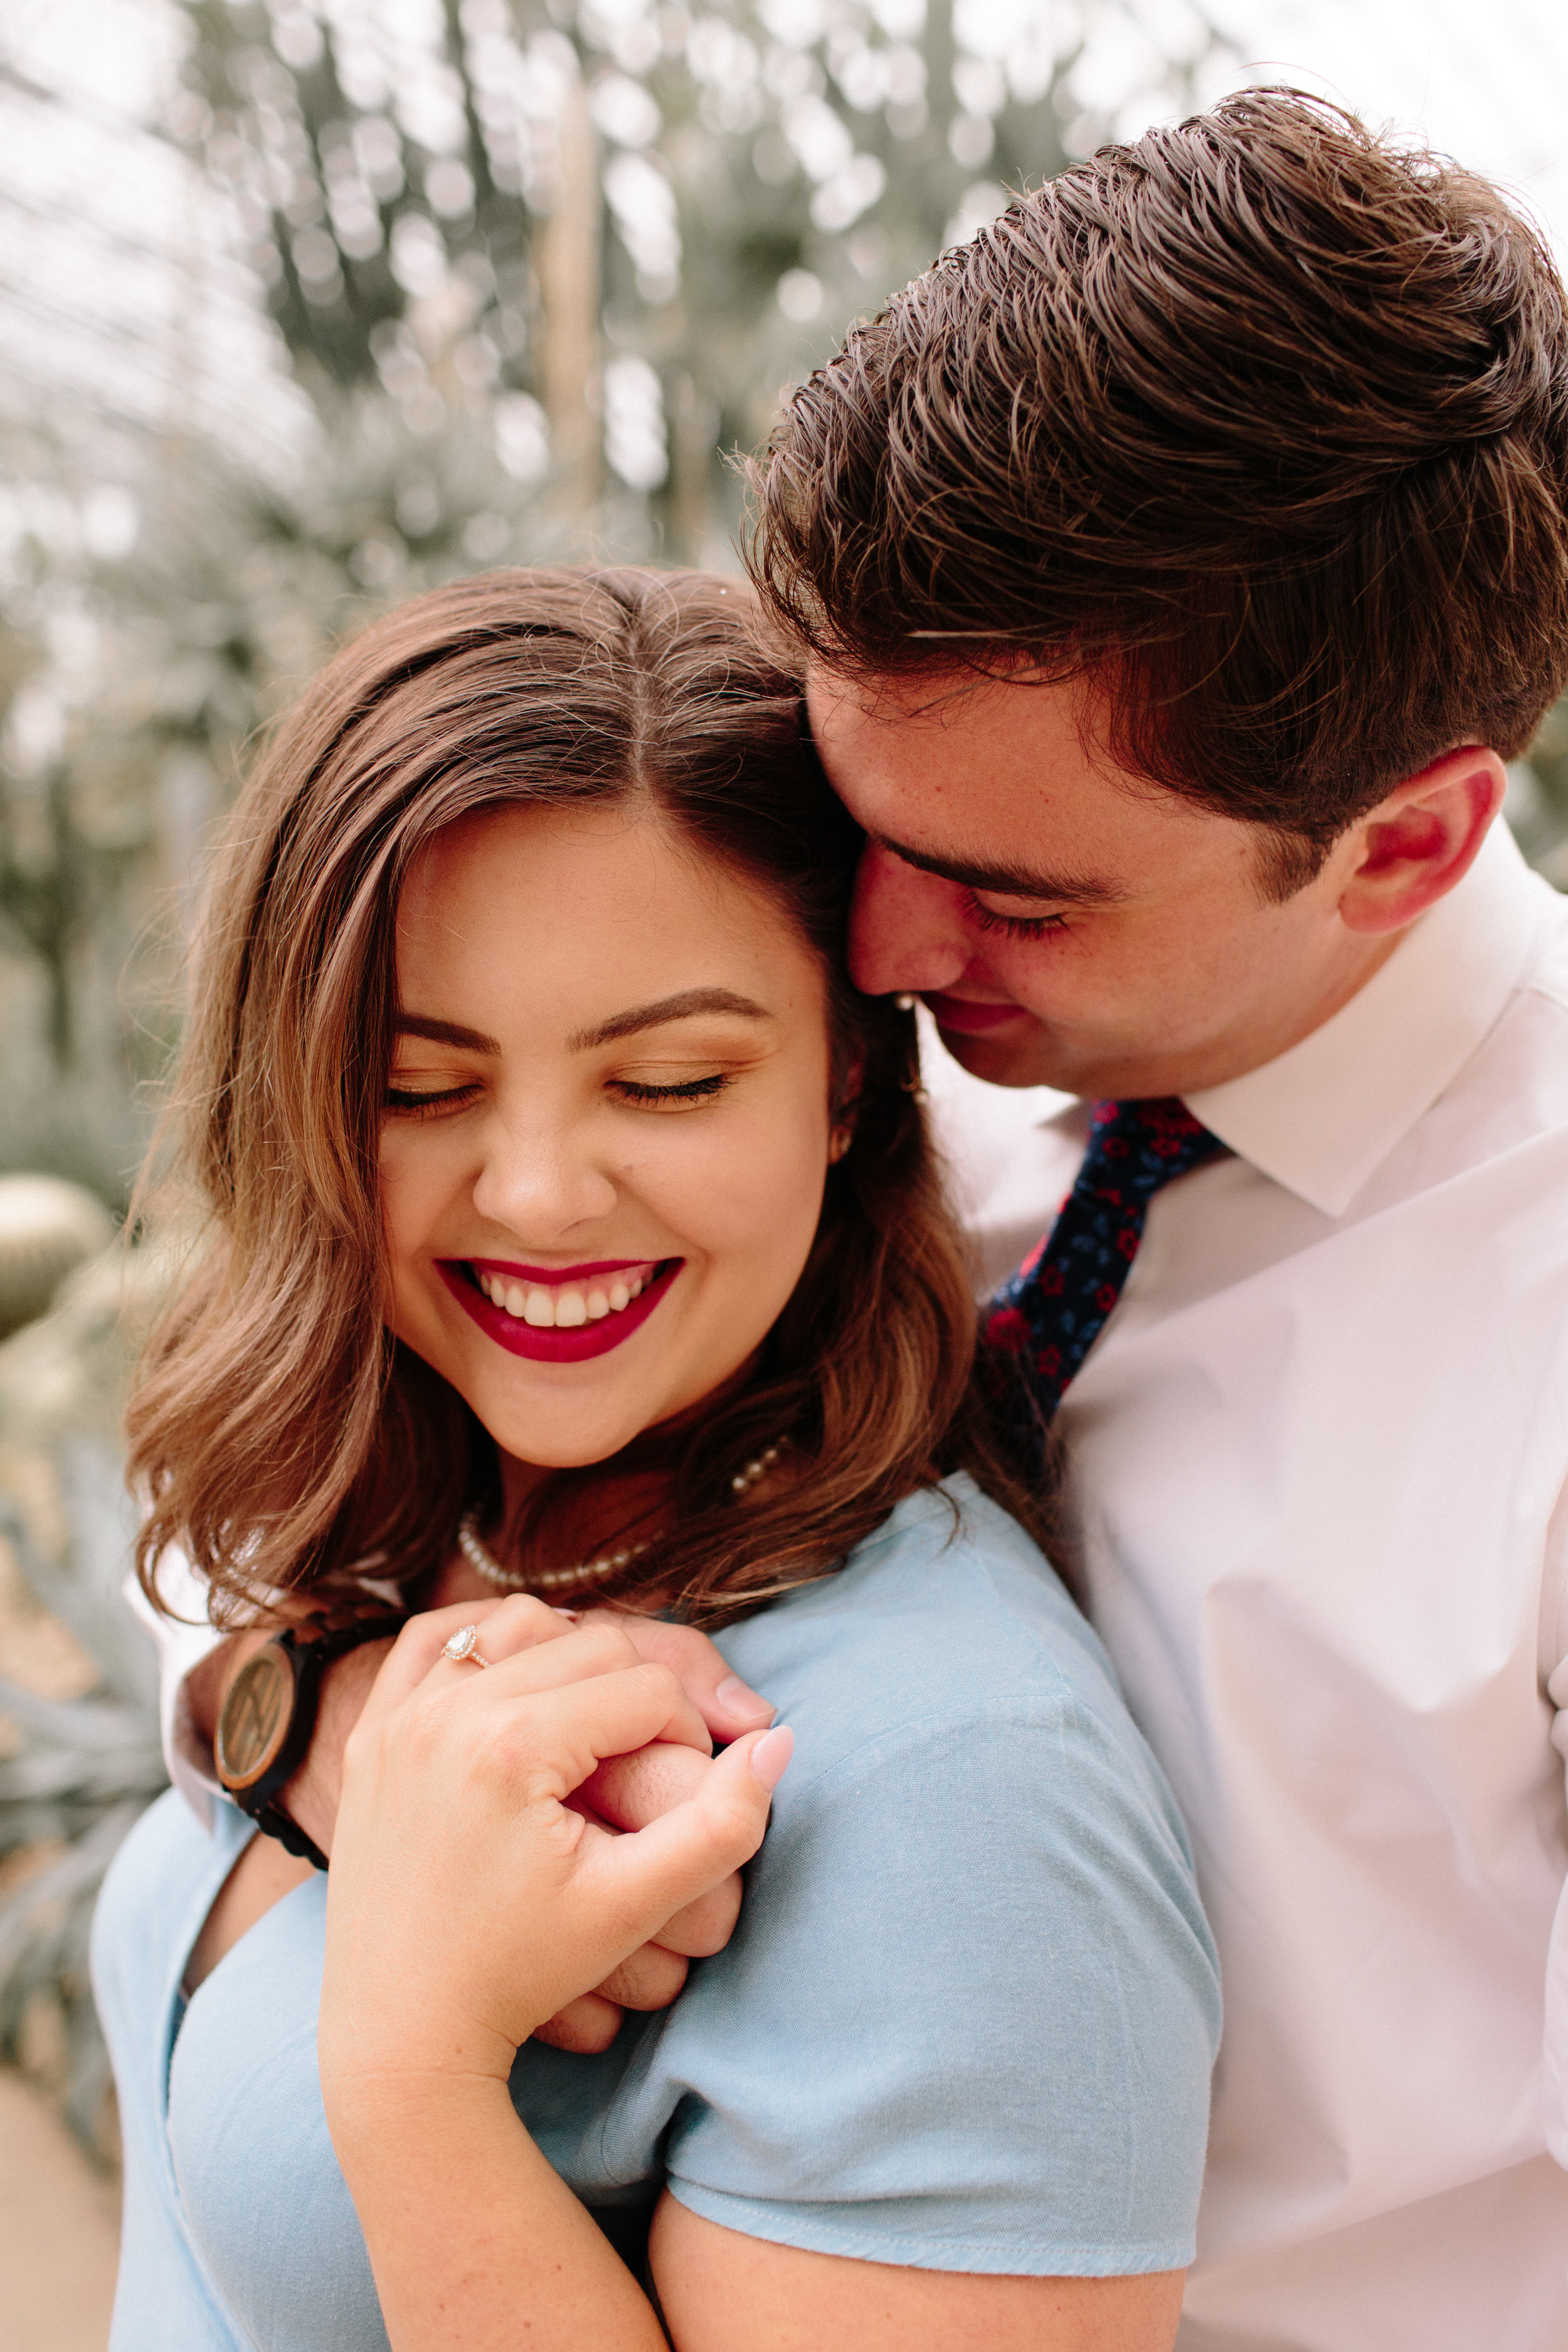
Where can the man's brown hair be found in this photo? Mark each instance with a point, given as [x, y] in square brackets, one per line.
[1260, 422]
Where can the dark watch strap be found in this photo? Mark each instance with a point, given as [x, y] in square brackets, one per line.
[274, 1822]
[268, 1717]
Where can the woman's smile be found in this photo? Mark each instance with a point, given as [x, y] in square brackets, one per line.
[607, 1125]
[559, 1315]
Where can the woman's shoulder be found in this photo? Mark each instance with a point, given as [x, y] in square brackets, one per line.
[968, 2017]
[948, 1614]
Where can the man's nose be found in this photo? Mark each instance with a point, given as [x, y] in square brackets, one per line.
[541, 1184]
[906, 928]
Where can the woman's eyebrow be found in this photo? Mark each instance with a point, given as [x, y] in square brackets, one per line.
[680, 1007]
[446, 1033]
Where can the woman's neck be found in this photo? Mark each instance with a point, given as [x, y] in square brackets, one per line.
[607, 1509]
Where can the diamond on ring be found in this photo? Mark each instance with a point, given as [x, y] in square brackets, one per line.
[465, 1644]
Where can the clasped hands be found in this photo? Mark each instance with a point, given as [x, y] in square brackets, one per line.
[624, 1794]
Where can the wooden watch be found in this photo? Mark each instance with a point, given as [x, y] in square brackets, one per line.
[268, 1717]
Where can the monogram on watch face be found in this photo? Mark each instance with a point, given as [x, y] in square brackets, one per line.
[255, 1719]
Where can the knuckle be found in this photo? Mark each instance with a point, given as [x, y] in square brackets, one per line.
[663, 1682]
[607, 1646]
[586, 2026]
[710, 1921]
[650, 1980]
[525, 1621]
[685, 1643]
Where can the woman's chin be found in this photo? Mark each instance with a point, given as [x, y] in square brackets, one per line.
[522, 1441]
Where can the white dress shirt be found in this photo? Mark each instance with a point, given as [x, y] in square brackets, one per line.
[1318, 1463]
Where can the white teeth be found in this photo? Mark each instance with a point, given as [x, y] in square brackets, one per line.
[564, 1310]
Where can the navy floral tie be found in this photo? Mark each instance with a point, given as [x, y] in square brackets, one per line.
[1048, 1316]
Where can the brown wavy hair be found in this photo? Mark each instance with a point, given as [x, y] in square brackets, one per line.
[289, 1444]
[1260, 422]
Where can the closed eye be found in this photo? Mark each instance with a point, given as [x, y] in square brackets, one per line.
[689, 1090]
[405, 1103]
[1012, 927]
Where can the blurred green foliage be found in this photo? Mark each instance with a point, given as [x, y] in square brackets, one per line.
[540, 271]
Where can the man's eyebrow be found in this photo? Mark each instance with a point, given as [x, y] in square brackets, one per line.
[446, 1033]
[1008, 880]
[680, 1007]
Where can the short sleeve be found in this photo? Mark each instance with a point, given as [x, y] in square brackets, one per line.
[969, 2017]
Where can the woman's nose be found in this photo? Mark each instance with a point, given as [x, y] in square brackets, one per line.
[906, 928]
[541, 1184]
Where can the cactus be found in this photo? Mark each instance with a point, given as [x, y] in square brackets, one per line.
[47, 1228]
[74, 1772]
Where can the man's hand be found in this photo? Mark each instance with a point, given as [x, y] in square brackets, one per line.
[626, 1793]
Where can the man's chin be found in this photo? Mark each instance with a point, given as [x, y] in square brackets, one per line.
[1019, 1056]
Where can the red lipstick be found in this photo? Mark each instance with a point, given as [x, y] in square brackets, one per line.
[541, 1344]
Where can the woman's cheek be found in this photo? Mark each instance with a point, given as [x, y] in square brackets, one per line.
[415, 1187]
[755, 1195]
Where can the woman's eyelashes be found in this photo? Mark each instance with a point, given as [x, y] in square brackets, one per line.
[1014, 927]
[411, 1101]
[408, 1102]
[686, 1091]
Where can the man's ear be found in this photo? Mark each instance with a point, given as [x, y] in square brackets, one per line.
[1411, 850]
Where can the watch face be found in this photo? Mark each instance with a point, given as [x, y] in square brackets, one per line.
[255, 1719]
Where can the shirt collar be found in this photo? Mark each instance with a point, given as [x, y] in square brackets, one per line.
[1320, 1118]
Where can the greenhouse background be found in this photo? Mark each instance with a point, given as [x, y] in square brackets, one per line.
[305, 304]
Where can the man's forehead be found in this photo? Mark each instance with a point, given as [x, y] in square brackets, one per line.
[939, 755]
[1001, 785]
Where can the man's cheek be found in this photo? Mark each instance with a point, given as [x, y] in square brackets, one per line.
[898, 918]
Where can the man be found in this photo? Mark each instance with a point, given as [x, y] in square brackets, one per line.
[1180, 562]
[1178, 565]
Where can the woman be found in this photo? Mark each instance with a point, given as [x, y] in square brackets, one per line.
[572, 1230]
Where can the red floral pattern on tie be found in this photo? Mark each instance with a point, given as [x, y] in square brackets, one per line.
[1047, 1319]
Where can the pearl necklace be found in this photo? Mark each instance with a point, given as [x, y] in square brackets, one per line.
[483, 1561]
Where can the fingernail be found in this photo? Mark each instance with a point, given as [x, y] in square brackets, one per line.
[740, 1699]
[772, 1753]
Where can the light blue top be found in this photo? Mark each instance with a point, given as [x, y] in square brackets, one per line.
[966, 2022]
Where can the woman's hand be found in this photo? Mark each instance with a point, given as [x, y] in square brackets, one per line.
[468, 1902]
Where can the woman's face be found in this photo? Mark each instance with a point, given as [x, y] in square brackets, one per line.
[608, 1123]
